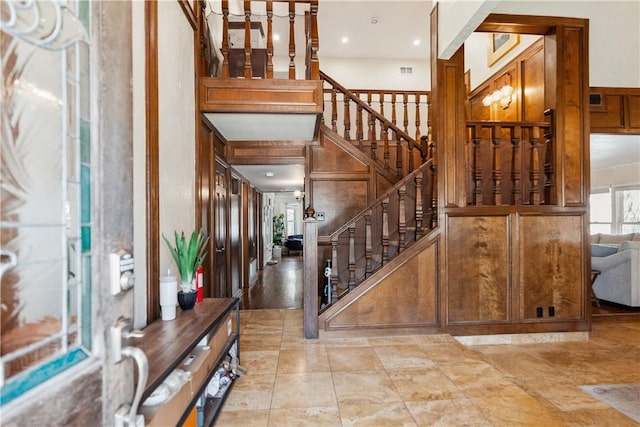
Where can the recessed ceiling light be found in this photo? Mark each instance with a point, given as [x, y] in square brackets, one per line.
[269, 174]
[276, 37]
[345, 40]
[374, 20]
[416, 42]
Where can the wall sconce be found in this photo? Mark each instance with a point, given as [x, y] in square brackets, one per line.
[500, 96]
[299, 195]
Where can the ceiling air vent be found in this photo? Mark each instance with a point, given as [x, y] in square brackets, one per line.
[406, 70]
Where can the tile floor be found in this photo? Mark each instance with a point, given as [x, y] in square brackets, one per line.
[424, 380]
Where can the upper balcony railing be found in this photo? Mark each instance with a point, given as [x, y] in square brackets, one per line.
[287, 50]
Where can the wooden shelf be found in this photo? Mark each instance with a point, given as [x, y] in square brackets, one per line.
[168, 343]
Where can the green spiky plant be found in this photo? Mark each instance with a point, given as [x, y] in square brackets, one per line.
[188, 256]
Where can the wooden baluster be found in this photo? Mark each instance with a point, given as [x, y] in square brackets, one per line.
[352, 256]
[534, 165]
[516, 166]
[393, 108]
[347, 119]
[405, 103]
[334, 268]
[476, 170]
[334, 109]
[496, 172]
[402, 218]
[369, 102]
[270, 39]
[372, 136]
[248, 72]
[424, 144]
[385, 230]
[368, 246]
[434, 186]
[359, 130]
[381, 101]
[225, 39]
[314, 73]
[411, 161]
[387, 153]
[292, 40]
[398, 156]
[417, 95]
[548, 161]
[419, 208]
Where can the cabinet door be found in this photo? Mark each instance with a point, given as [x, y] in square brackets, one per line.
[551, 267]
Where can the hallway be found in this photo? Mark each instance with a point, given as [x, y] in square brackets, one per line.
[279, 286]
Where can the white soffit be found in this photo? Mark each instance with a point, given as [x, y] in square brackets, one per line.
[264, 127]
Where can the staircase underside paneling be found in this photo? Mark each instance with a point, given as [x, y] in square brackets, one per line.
[266, 152]
[401, 295]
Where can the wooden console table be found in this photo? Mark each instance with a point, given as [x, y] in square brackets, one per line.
[168, 343]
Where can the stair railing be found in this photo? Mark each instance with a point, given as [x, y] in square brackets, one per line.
[371, 239]
[385, 142]
[520, 159]
[249, 61]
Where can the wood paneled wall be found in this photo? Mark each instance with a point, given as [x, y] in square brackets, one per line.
[525, 73]
[615, 110]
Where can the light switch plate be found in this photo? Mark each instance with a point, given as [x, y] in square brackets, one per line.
[319, 216]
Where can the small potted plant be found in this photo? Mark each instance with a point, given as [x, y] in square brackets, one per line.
[188, 256]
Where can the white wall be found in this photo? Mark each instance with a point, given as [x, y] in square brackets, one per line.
[623, 175]
[457, 19]
[176, 136]
[377, 73]
[268, 203]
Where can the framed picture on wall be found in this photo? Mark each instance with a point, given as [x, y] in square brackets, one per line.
[499, 45]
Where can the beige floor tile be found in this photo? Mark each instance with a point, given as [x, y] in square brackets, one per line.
[346, 342]
[295, 340]
[381, 341]
[516, 410]
[452, 352]
[303, 390]
[299, 360]
[379, 414]
[401, 357]
[327, 416]
[271, 314]
[597, 418]
[447, 413]
[260, 362]
[251, 392]
[423, 384]
[479, 379]
[255, 418]
[264, 327]
[363, 387]
[353, 359]
[563, 394]
[259, 342]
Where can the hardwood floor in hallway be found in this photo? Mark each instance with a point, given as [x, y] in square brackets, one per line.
[278, 286]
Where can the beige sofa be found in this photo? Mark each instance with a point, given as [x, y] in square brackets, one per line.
[617, 257]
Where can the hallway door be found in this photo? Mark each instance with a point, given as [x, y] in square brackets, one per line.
[235, 233]
[220, 237]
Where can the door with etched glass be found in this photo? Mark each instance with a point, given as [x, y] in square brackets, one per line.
[55, 351]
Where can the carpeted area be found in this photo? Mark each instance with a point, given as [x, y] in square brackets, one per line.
[623, 397]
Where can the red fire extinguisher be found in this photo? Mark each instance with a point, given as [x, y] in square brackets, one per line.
[199, 285]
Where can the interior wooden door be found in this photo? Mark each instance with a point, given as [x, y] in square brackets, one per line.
[220, 236]
[205, 207]
[235, 232]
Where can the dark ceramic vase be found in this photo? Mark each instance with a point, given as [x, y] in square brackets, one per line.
[187, 300]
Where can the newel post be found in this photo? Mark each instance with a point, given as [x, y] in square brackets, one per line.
[310, 277]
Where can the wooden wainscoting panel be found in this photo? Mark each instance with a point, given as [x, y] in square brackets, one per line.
[609, 114]
[532, 86]
[634, 112]
[406, 297]
[551, 266]
[477, 269]
[330, 157]
[266, 152]
[338, 205]
[260, 95]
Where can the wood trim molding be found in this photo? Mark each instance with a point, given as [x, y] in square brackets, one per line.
[189, 13]
[152, 160]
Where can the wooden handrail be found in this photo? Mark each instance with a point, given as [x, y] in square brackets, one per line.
[384, 229]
